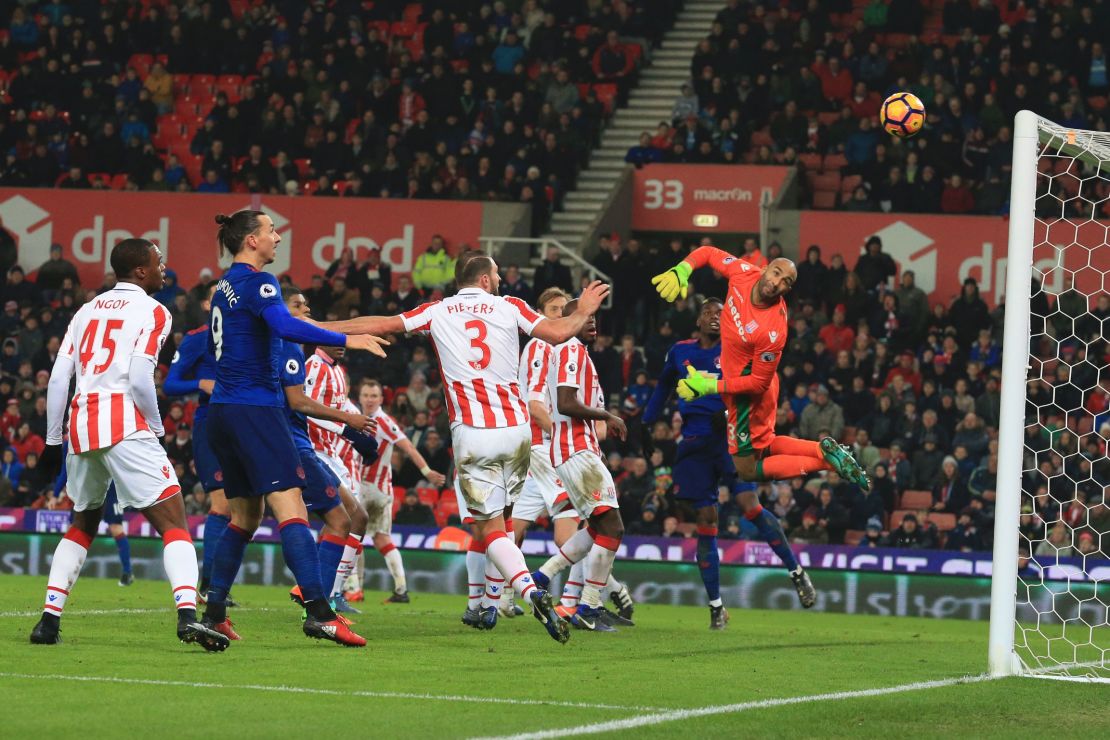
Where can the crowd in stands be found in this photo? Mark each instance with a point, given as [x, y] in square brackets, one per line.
[912, 387]
[469, 100]
[801, 84]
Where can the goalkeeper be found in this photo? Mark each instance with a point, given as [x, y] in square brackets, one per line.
[753, 334]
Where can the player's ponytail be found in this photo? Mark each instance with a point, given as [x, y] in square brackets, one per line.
[235, 229]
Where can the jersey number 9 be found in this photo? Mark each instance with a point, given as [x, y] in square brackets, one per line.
[217, 331]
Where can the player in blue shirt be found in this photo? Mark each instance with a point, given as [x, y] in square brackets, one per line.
[247, 424]
[323, 491]
[702, 462]
[194, 371]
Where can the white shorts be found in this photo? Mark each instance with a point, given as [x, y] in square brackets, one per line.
[379, 507]
[139, 466]
[336, 466]
[543, 493]
[491, 465]
[588, 482]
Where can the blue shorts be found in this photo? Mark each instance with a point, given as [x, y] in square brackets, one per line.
[321, 488]
[254, 448]
[204, 459]
[113, 512]
[701, 465]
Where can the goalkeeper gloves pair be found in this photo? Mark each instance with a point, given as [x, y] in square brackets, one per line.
[672, 283]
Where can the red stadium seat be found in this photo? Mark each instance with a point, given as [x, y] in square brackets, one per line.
[304, 167]
[944, 522]
[849, 183]
[823, 199]
[102, 178]
[827, 118]
[853, 536]
[202, 82]
[811, 161]
[826, 181]
[398, 499]
[403, 29]
[231, 86]
[412, 12]
[835, 162]
[916, 500]
[762, 138]
[582, 31]
[119, 182]
[606, 95]
[429, 496]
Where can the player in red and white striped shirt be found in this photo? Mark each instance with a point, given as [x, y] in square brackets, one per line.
[578, 420]
[326, 382]
[475, 335]
[112, 345]
[376, 491]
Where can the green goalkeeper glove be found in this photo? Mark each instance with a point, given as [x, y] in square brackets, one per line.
[696, 385]
[672, 283]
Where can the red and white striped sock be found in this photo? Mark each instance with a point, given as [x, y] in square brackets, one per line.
[475, 573]
[569, 553]
[69, 556]
[495, 585]
[572, 589]
[180, 560]
[346, 563]
[510, 561]
[396, 567]
[599, 564]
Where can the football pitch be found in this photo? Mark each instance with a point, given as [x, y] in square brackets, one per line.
[121, 672]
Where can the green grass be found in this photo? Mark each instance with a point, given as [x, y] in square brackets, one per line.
[670, 660]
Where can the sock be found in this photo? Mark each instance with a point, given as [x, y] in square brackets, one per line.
[346, 563]
[572, 589]
[330, 551]
[785, 467]
[298, 547]
[396, 567]
[770, 529]
[599, 564]
[510, 561]
[495, 585]
[180, 560]
[793, 446]
[571, 551]
[475, 572]
[225, 566]
[709, 562]
[123, 546]
[69, 556]
[214, 526]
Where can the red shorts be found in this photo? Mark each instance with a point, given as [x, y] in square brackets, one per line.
[751, 420]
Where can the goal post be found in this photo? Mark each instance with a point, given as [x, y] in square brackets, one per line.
[1049, 614]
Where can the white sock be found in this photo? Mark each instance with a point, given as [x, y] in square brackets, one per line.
[572, 589]
[346, 564]
[715, 603]
[396, 569]
[180, 560]
[510, 561]
[570, 552]
[475, 577]
[612, 584]
[599, 563]
[69, 556]
[494, 585]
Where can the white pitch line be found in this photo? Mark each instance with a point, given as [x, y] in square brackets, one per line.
[107, 612]
[681, 714]
[329, 692]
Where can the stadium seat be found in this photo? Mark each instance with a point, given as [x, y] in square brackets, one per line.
[762, 138]
[898, 515]
[916, 500]
[826, 181]
[448, 506]
[403, 29]
[848, 184]
[811, 161]
[304, 167]
[688, 529]
[398, 498]
[853, 536]
[429, 496]
[824, 199]
[944, 522]
[200, 83]
[102, 178]
[835, 162]
[607, 95]
[118, 182]
[412, 12]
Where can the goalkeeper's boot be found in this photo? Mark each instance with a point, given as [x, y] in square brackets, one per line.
[718, 617]
[335, 630]
[622, 599]
[471, 618]
[844, 463]
[190, 630]
[487, 617]
[592, 619]
[807, 594]
[544, 612]
[46, 632]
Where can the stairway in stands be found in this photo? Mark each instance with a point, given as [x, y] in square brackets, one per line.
[649, 103]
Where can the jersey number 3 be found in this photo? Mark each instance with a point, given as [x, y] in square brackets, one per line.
[89, 348]
[478, 342]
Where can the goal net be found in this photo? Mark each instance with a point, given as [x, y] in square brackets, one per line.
[1050, 598]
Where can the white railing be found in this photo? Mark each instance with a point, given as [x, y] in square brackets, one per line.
[579, 266]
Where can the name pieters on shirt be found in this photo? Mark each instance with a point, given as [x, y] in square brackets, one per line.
[482, 308]
[229, 292]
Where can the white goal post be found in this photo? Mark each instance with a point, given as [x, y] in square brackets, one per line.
[1049, 613]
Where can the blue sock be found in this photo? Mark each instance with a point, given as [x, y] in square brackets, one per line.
[330, 550]
[214, 526]
[709, 562]
[124, 546]
[228, 555]
[771, 532]
[298, 546]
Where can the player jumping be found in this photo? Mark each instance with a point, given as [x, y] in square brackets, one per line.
[703, 461]
[475, 336]
[753, 336]
[112, 345]
[247, 421]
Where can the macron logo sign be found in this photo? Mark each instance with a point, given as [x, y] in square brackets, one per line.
[912, 250]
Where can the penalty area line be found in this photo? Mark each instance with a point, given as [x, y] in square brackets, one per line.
[682, 714]
[328, 692]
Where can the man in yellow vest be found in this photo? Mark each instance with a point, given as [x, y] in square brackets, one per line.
[435, 268]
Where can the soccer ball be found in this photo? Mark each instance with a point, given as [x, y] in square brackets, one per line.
[902, 114]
